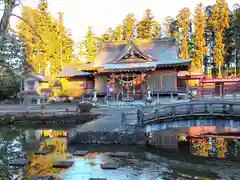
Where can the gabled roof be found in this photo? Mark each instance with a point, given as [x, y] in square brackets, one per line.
[128, 47]
[107, 53]
[71, 71]
[161, 52]
[164, 50]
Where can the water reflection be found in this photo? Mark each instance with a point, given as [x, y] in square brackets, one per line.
[142, 164]
[215, 147]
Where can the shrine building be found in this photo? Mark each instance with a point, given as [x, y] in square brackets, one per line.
[130, 68]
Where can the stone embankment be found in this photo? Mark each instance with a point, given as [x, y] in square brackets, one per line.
[120, 137]
[110, 129]
[48, 118]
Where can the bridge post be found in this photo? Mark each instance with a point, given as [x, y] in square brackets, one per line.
[210, 109]
[140, 116]
[205, 108]
[156, 114]
[224, 106]
[213, 95]
[234, 96]
[190, 108]
[173, 111]
[231, 109]
[123, 119]
[222, 96]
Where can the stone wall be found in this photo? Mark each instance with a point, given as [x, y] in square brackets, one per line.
[66, 118]
[127, 138]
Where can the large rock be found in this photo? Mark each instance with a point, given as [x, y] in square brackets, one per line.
[85, 106]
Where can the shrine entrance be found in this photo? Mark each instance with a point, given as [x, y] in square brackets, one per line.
[127, 85]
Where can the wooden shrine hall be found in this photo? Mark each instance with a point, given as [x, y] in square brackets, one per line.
[130, 68]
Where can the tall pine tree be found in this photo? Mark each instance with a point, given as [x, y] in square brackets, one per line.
[128, 27]
[220, 18]
[118, 33]
[183, 20]
[90, 45]
[65, 42]
[32, 41]
[108, 35]
[48, 44]
[168, 26]
[200, 43]
[145, 26]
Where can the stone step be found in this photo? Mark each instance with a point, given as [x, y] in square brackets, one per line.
[109, 165]
[19, 162]
[119, 154]
[42, 152]
[42, 178]
[63, 164]
[80, 153]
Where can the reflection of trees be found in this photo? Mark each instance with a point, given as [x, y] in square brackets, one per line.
[11, 148]
[42, 165]
[203, 147]
[54, 133]
[58, 143]
[221, 147]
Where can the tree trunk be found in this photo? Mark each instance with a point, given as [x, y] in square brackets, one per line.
[219, 70]
[8, 9]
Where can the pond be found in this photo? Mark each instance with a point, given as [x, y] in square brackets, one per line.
[211, 158]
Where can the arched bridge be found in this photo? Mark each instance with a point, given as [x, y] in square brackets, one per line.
[187, 110]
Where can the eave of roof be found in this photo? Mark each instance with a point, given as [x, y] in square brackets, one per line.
[129, 66]
[127, 70]
[176, 62]
[88, 67]
[71, 72]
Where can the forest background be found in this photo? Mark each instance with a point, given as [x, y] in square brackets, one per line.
[41, 43]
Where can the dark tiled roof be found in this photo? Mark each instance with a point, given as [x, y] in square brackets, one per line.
[71, 71]
[162, 52]
[108, 53]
